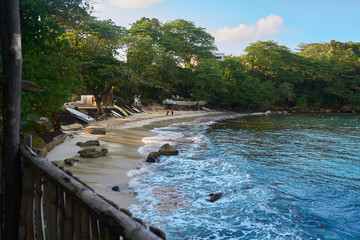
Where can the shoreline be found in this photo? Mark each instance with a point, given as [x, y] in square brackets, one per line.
[123, 139]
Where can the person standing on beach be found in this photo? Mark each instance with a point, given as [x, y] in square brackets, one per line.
[172, 113]
[167, 112]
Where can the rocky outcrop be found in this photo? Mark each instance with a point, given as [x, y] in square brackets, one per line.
[71, 161]
[168, 150]
[165, 150]
[92, 153]
[95, 130]
[153, 157]
[214, 197]
[346, 109]
[89, 143]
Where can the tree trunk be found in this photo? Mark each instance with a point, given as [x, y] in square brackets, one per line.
[12, 68]
[99, 105]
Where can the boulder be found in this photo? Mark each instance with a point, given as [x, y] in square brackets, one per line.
[88, 143]
[71, 161]
[153, 157]
[92, 153]
[346, 109]
[116, 188]
[328, 110]
[214, 197]
[95, 130]
[168, 150]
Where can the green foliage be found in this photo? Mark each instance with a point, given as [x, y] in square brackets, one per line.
[45, 58]
[286, 92]
[37, 142]
[66, 50]
[256, 93]
[302, 101]
[171, 57]
[233, 72]
[190, 43]
[334, 70]
[208, 83]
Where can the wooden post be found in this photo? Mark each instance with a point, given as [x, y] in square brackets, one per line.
[12, 67]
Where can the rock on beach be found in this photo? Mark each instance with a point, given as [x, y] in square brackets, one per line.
[89, 143]
[95, 130]
[92, 153]
[71, 161]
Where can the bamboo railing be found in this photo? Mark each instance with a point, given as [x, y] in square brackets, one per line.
[55, 206]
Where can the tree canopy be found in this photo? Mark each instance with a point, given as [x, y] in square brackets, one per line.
[67, 50]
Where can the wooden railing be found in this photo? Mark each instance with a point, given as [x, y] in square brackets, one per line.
[55, 205]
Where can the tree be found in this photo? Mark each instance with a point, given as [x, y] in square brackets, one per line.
[274, 62]
[188, 42]
[94, 45]
[286, 93]
[269, 61]
[191, 46]
[208, 83]
[234, 75]
[46, 59]
[148, 57]
[165, 55]
[335, 70]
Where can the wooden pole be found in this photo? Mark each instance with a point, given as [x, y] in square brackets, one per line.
[12, 67]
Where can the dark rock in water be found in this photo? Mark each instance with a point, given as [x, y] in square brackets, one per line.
[214, 197]
[168, 150]
[153, 157]
[71, 161]
[92, 153]
[116, 188]
[157, 232]
[88, 143]
[165, 150]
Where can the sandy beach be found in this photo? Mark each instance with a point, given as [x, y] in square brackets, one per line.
[123, 139]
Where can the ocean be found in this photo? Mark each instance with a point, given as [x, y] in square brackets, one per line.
[284, 177]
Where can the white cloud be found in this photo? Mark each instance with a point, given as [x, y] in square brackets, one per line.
[97, 7]
[134, 3]
[264, 27]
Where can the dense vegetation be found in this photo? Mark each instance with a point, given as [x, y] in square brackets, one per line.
[66, 51]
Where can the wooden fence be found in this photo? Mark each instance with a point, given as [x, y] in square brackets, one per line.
[55, 205]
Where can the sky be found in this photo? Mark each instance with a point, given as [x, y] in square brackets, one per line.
[237, 23]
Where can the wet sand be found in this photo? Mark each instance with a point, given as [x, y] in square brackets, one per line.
[123, 139]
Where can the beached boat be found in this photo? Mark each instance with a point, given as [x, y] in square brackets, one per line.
[116, 114]
[130, 109]
[135, 109]
[207, 109]
[80, 115]
[139, 108]
[121, 110]
[127, 110]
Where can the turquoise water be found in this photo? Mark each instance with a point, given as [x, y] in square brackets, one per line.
[286, 177]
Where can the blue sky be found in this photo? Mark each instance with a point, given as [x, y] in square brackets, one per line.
[236, 23]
